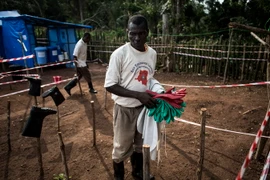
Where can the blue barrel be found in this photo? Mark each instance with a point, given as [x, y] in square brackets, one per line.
[41, 55]
[52, 54]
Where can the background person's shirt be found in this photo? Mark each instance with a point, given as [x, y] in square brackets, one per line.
[80, 51]
[130, 69]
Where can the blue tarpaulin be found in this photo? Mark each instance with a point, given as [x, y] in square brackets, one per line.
[17, 37]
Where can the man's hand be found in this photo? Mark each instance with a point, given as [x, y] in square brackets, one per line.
[147, 99]
[144, 97]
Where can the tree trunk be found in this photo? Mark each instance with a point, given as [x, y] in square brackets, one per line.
[81, 9]
[165, 27]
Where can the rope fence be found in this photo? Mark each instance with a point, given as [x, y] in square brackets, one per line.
[37, 67]
[17, 59]
[205, 56]
[257, 136]
[218, 129]
[220, 86]
[253, 147]
[45, 85]
[265, 168]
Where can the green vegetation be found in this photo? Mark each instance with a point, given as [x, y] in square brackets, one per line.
[60, 176]
[174, 17]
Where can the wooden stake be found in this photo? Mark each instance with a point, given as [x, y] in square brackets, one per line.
[36, 103]
[36, 64]
[263, 141]
[41, 171]
[259, 39]
[202, 144]
[228, 56]
[63, 154]
[94, 123]
[58, 120]
[8, 120]
[243, 63]
[43, 99]
[105, 98]
[146, 162]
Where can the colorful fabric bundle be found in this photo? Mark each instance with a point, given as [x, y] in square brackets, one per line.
[170, 104]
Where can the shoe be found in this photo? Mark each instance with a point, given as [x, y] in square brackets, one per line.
[33, 125]
[56, 95]
[70, 85]
[35, 86]
[93, 91]
[139, 176]
[119, 170]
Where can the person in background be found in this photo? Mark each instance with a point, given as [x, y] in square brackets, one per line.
[130, 68]
[80, 56]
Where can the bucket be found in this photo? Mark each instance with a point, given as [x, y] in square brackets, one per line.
[60, 57]
[56, 79]
[52, 54]
[41, 55]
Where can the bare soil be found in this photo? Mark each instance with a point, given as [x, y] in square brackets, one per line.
[240, 109]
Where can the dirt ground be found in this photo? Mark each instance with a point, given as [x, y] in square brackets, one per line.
[240, 109]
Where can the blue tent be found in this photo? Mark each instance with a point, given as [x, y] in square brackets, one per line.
[17, 37]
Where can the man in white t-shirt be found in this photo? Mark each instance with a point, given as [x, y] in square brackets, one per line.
[80, 57]
[130, 68]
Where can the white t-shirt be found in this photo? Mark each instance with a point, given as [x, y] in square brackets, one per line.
[130, 69]
[80, 51]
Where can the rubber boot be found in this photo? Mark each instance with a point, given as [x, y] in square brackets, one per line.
[136, 160]
[56, 95]
[91, 89]
[34, 123]
[119, 170]
[34, 88]
[70, 85]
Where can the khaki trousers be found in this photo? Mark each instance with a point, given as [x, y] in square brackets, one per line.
[126, 137]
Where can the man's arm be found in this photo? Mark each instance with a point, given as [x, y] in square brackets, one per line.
[145, 98]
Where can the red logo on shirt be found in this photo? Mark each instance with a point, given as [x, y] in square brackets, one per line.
[142, 77]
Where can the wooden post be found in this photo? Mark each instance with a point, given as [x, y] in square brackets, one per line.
[8, 120]
[268, 67]
[41, 171]
[243, 63]
[257, 64]
[263, 141]
[202, 144]
[36, 103]
[228, 56]
[105, 98]
[146, 162]
[63, 153]
[212, 62]
[36, 64]
[58, 120]
[220, 55]
[43, 99]
[94, 123]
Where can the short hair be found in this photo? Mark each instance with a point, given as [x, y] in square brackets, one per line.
[138, 20]
[86, 35]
